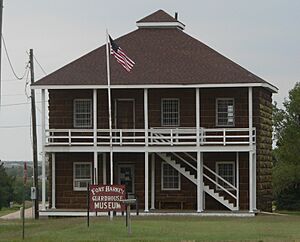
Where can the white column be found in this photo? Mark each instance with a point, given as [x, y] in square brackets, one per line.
[95, 167]
[146, 125]
[250, 115]
[251, 172]
[199, 182]
[254, 181]
[43, 150]
[95, 135]
[198, 115]
[237, 181]
[104, 168]
[251, 181]
[153, 181]
[146, 181]
[53, 180]
[111, 168]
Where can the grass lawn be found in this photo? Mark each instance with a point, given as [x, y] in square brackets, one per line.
[260, 228]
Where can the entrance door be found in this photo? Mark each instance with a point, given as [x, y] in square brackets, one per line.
[126, 177]
[124, 114]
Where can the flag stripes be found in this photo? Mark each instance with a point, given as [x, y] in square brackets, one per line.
[121, 56]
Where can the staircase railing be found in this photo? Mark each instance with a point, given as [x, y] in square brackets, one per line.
[217, 178]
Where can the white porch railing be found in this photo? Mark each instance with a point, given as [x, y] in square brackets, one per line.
[156, 137]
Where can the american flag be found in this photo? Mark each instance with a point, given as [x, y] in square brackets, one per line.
[120, 55]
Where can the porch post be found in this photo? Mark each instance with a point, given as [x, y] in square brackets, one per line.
[146, 125]
[254, 181]
[237, 181]
[43, 151]
[146, 181]
[251, 181]
[251, 172]
[198, 116]
[199, 182]
[53, 180]
[95, 135]
[104, 168]
[153, 181]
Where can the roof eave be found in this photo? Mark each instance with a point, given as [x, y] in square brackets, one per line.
[270, 87]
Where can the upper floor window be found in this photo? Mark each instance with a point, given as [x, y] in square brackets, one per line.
[83, 113]
[170, 112]
[225, 112]
[82, 175]
[170, 177]
[226, 170]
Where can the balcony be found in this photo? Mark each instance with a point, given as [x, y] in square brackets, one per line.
[153, 137]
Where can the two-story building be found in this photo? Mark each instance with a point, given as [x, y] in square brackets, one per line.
[191, 129]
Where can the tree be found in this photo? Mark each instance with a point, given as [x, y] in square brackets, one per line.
[6, 187]
[286, 171]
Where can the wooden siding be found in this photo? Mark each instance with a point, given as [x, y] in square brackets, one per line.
[61, 106]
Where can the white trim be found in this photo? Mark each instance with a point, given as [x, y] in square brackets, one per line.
[160, 25]
[53, 180]
[161, 111]
[217, 116]
[142, 149]
[162, 178]
[152, 86]
[250, 115]
[233, 173]
[91, 174]
[132, 167]
[74, 112]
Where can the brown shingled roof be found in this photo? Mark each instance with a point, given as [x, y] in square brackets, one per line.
[162, 56]
[158, 16]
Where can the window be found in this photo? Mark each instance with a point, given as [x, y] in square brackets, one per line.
[83, 113]
[226, 170]
[225, 112]
[170, 112]
[82, 175]
[170, 177]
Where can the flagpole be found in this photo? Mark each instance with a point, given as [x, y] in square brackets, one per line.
[109, 106]
[109, 112]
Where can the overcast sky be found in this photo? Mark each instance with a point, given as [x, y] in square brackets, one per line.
[262, 36]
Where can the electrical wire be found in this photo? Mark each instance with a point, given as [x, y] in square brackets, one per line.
[43, 70]
[10, 64]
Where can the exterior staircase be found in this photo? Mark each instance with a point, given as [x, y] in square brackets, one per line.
[185, 172]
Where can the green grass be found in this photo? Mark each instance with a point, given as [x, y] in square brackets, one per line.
[260, 228]
[5, 211]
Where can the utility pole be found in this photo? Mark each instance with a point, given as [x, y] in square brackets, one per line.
[34, 139]
[1, 17]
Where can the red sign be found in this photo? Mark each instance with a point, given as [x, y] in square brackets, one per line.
[105, 198]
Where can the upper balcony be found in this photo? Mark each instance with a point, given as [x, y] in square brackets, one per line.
[152, 137]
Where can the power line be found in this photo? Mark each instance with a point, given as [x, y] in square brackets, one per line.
[10, 64]
[17, 104]
[16, 126]
[43, 70]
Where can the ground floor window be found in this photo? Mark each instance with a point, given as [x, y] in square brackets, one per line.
[82, 175]
[170, 177]
[226, 170]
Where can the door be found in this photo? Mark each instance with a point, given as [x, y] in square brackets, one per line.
[124, 113]
[126, 177]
